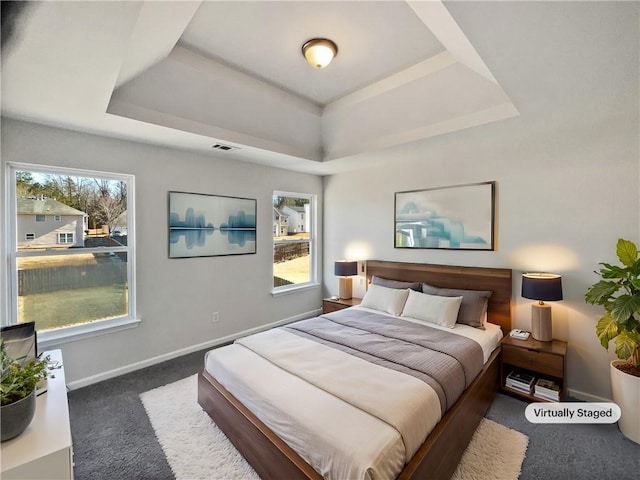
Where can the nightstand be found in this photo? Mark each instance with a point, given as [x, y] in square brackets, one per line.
[540, 359]
[331, 305]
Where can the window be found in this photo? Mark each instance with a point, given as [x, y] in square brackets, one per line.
[40, 218]
[72, 278]
[65, 237]
[294, 257]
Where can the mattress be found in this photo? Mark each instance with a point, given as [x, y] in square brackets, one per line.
[322, 400]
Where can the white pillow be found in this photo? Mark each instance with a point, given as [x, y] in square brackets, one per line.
[432, 308]
[390, 300]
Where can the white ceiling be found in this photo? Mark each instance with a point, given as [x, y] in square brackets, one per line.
[264, 39]
[193, 74]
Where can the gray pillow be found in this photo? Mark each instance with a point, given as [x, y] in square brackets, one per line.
[473, 307]
[385, 282]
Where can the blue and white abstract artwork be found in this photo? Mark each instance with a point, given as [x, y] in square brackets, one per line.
[203, 225]
[459, 217]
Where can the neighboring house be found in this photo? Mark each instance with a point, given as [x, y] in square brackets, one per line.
[298, 218]
[280, 223]
[47, 223]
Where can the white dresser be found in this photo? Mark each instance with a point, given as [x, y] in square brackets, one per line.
[44, 449]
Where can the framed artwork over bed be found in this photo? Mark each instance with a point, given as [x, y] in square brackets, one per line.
[202, 225]
[458, 217]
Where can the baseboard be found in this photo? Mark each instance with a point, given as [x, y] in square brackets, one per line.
[84, 382]
[587, 397]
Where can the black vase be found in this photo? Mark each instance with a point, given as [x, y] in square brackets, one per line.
[16, 417]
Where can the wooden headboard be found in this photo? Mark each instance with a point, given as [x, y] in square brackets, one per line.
[498, 280]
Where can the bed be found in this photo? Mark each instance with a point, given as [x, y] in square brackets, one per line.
[434, 457]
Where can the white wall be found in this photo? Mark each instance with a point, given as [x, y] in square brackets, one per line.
[567, 169]
[567, 173]
[561, 205]
[175, 297]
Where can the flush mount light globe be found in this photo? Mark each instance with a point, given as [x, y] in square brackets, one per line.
[319, 52]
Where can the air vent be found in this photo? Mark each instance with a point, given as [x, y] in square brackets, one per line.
[223, 147]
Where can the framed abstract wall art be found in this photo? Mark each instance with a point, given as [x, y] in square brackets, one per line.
[459, 217]
[202, 225]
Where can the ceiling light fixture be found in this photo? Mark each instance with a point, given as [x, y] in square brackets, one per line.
[319, 52]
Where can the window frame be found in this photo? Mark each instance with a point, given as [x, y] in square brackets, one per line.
[66, 236]
[313, 246]
[74, 332]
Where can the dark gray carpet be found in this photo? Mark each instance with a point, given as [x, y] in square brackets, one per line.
[559, 452]
[113, 439]
[112, 436]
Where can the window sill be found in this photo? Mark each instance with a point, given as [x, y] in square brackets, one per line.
[52, 338]
[294, 289]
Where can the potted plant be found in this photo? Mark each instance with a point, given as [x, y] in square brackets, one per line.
[18, 393]
[618, 291]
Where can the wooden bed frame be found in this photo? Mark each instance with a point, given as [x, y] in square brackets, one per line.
[440, 454]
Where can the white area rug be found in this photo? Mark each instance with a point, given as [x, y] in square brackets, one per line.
[196, 448]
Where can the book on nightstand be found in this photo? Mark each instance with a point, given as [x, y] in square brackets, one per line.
[520, 381]
[547, 389]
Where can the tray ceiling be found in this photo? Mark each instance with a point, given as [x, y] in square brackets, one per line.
[196, 74]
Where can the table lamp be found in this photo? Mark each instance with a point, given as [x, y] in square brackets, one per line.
[541, 287]
[345, 270]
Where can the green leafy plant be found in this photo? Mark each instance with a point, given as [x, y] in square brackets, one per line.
[18, 380]
[618, 292]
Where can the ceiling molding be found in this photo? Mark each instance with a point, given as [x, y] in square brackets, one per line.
[63, 71]
[491, 114]
[438, 19]
[422, 69]
[149, 44]
[213, 134]
[213, 68]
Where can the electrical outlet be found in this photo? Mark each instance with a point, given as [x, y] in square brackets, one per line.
[215, 317]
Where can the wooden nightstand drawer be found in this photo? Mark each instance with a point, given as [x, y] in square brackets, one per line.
[328, 307]
[542, 362]
[540, 359]
[331, 304]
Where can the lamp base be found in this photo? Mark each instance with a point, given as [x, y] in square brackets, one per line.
[541, 322]
[344, 288]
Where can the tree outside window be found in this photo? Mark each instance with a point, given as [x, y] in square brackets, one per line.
[71, 272]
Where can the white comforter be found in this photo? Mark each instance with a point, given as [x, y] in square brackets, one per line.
[337, 411]
[344, 430]
[393, 397]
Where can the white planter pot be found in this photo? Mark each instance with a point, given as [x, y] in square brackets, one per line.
[626, 394]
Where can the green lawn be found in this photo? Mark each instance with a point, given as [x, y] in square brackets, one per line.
[70, 307]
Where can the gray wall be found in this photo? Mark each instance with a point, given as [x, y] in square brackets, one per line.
[175, 298]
